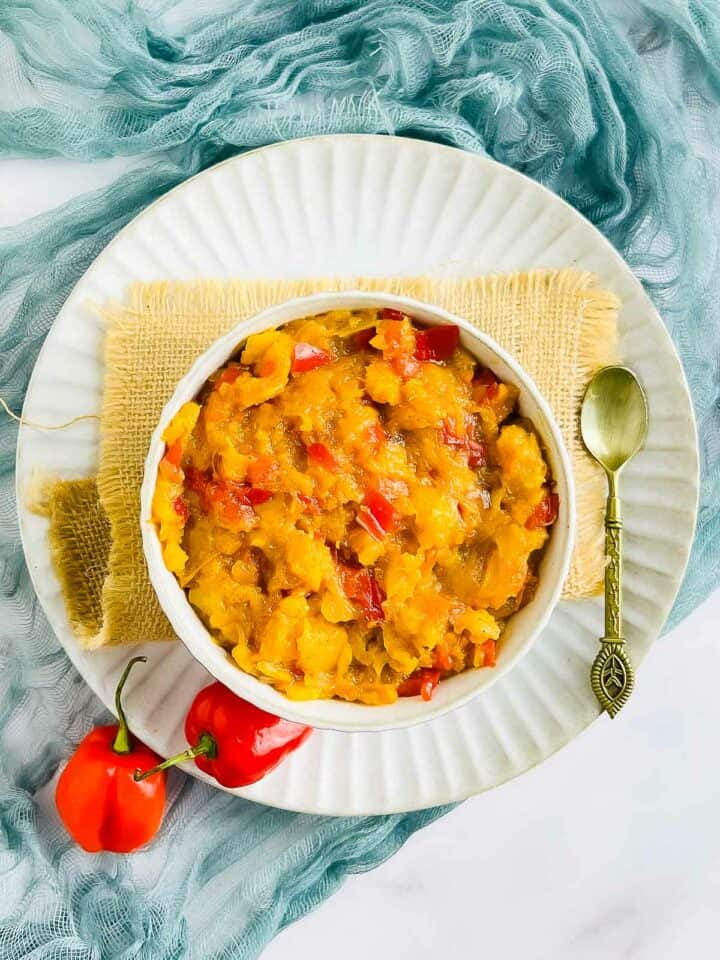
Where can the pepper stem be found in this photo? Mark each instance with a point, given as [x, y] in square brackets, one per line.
[205, 747]
[123, 741]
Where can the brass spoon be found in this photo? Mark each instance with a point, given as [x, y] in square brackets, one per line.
[614, 424]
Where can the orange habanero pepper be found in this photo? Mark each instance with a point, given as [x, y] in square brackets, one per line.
[100, 802]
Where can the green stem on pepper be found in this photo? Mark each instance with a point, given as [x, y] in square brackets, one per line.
[205, 747]
[123, 740]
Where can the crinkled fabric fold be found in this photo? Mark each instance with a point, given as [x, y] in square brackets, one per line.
[615, 106]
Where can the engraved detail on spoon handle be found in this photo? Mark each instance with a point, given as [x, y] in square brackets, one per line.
[613, 569]
[612, 674]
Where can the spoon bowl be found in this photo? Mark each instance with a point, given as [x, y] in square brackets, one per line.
[614, 417]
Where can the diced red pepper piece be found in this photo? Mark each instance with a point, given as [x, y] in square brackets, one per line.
[410, 687]
[441, 658]
[312, 504]
[431, 679]
[241, 492]
[233, 508]
[322, 455]
[390, 314]
[437, 343]
[229, 374]
[490, 651]
[363, 337]
[484, 377]
[475, 449]
[181, 508]
[260, 469]
[485, 385]
[195, 479]
[368, 522]
[361, 586]
[381, 510]
[396, 353]
[477, 454]
[422, 682]
[392, 332]
[174, 452]
[545, 513]
[235, 500]
[307, 357]
[491, 392]
[449, 437]
[373, 596]
[256, 496]
[216, 491]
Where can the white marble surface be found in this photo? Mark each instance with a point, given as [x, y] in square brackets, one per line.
[609, 850]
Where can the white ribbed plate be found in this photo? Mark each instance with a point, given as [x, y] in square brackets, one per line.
[377, 205]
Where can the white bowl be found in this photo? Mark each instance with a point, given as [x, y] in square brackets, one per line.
[522, 628]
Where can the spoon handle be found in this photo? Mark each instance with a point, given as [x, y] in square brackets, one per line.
[612, 673]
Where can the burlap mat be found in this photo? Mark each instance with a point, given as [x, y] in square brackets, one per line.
[557, 324]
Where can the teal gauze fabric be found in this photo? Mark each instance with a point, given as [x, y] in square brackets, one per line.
[614, 106]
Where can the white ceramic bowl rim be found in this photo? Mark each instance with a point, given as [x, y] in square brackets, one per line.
[522, 629]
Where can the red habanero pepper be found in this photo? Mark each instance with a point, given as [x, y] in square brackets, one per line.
[98, 797]
[437, 343]
[390, 314]
[234, 741]
[307, 357]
